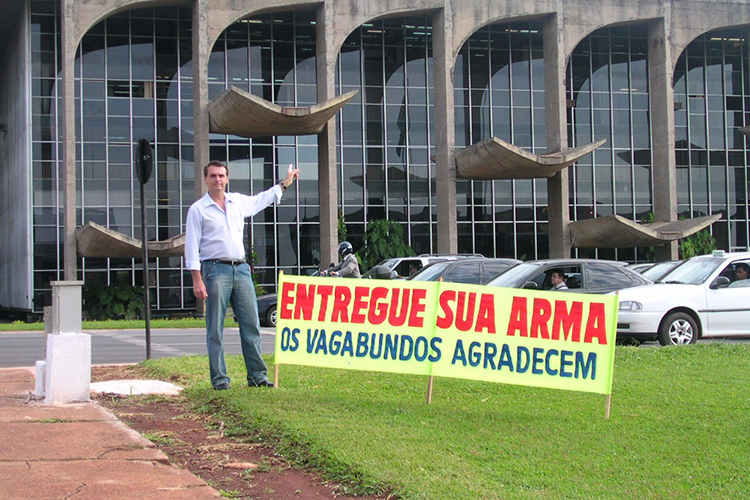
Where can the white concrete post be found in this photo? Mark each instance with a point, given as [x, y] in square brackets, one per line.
[67, 369]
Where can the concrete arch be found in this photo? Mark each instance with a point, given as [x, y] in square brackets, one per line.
[685, 26]
[582, 19]
[459, 44]
[342, 26]
[219, 18]
[85, 14]
[465, 26]
[680, 49]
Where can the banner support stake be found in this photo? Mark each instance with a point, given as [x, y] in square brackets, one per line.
[607, 406]
[275, 364]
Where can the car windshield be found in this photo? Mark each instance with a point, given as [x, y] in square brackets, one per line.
[694, 271]
[515, 276]
[658, 270]
[390, 263]
[431, 272]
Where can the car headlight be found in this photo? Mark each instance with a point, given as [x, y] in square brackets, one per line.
[630, 305]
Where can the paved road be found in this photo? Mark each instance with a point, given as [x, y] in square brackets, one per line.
[125, 346]
[129, 346]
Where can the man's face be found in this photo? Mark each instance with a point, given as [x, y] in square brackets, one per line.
[216, 179]
[740, 273]
[556, 279]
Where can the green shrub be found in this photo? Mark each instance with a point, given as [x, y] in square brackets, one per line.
[384, 239]
[116, 301]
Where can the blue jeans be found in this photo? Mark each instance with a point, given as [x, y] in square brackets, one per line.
[227, 284]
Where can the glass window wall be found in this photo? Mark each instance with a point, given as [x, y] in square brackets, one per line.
[712, 100]
[384, 135]
[499, 92]
[607, 88]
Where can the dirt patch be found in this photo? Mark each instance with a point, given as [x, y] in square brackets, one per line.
[239, 468]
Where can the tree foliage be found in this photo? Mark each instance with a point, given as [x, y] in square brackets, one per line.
[700, 243]
[384, 239]
[116, 301]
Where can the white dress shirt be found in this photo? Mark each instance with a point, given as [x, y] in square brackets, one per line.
[212, 233]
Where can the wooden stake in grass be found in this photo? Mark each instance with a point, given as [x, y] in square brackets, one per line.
[607, 406]
[275, 364]
[431, 379]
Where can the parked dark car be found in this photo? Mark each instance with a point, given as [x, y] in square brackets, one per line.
[581, 275]
[471, 271]
[267, 309]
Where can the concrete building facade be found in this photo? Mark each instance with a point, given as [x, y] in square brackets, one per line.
[665, 83]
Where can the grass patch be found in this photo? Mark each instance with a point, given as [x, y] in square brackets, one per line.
[161, 438]
[135, 324]
[678, 428]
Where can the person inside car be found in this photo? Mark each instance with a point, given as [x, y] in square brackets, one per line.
[558, 280]
[740, 271]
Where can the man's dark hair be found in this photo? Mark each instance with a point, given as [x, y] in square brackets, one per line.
[742, 266]
[559, 272]
[214, 163]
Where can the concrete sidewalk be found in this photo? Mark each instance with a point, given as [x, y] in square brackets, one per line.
[79, 451]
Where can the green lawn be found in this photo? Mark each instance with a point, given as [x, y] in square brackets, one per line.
[119, 324]
[679, 428]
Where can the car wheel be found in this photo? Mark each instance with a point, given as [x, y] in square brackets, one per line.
[678, 329]
[271, 316]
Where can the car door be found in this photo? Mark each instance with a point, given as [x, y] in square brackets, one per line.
[728, 308]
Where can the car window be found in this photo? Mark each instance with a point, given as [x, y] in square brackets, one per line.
[492, 269]
[542, 280]
[516, 276]
[408, 267]
[431, 272]
[464, 273]
[572, 277]
[603, 276]
[737, 272]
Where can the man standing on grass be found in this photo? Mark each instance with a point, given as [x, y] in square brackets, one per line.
[215, 256]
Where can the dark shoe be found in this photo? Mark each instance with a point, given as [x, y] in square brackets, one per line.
[264, 383]
[222, 387]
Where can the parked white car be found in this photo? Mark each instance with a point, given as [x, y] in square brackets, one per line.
[707, 296]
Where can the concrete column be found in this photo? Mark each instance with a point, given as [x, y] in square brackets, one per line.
[328, 188]
[69, 46]
[201, 153]
[558, 205]
[201, 54]
[664, 172]
[445, 131]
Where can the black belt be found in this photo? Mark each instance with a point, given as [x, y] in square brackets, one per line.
[227, 262]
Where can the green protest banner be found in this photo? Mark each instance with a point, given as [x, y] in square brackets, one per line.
[545, 339]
